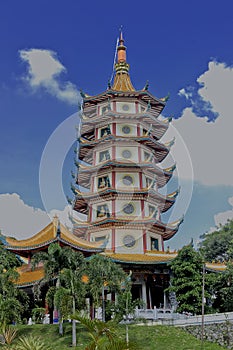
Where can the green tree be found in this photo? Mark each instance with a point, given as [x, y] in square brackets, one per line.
[54, 261]
[9, 294]
[103, 335]
[64, 269]
[223, 290]
[103, 274]
[218, 245]
[71, 293]
[187, 280]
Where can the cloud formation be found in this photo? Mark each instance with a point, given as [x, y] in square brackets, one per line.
[209, 143]
[19, 220]
[44, 71]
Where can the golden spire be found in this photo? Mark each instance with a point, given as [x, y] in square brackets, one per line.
[122, 80]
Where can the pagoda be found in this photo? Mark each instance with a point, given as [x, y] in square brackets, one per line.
[119, 177]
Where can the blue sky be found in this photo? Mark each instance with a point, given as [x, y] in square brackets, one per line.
[184, 48]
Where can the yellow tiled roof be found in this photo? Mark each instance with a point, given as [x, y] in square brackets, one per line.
[28, 277]
[48, 235]
[218, 267]
[148, 257]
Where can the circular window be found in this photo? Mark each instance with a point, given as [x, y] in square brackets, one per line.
[125, 107]
[128, 209]
[129, 241]
[126, 154]
[126, 129]
[127, 180]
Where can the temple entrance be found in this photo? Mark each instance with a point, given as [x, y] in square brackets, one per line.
[154, 292]
[136, 291]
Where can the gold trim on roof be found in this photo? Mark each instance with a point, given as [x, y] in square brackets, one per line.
[122, 82]
[49, 235]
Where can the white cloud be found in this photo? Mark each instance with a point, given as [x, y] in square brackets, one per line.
[44, 70]
[209, 143]
[21, 221]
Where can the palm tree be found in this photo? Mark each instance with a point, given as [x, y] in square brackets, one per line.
[103, 335]
[54, 261]
[70, 296]
[103, 273]
[64, 269]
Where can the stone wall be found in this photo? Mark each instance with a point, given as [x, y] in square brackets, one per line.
[220, 333]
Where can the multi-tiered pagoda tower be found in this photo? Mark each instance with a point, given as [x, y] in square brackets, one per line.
[118, 177]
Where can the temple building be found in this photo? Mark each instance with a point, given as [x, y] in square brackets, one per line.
[117, 188]
[119, 180]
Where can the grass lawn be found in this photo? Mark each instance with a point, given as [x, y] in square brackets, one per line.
[145, 337]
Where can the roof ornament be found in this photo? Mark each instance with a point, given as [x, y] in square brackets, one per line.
[166, 98]
[109, 104]
[58, 229]
[148, 106]
[146, 86]
[109, 83]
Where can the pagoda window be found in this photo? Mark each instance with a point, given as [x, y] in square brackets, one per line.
[125, 107]
[126, 129]
[148, 182]
[100, 238]
[103, 182]
[102, 211]
[153, 211]
[128, 209]
[143, 109]
[105, 131]
[154, 243]
[104, 109]
[148, 157]
[104, 155]
[127, 180]
[126, 153]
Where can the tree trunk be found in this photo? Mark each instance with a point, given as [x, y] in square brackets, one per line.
[60, 319]
[60, 324]
[74, 338]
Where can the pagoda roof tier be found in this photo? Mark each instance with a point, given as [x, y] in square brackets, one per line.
[86, 172]
[155, 257]
[167, 231]
[83, 199]
[161, 150]
[156, 105]
[50, 234]
[149, 257]
[148, 121]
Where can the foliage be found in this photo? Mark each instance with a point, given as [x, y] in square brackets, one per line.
[187, 280]
[223, 290]
[99, 332]
[144, 337]
[30, 343]
[57, 260]
[102, 272]
[38, 314]
[124, 302]
[218, 245]
[13, 302]
[8, 333]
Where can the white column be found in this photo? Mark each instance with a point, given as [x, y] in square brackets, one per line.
[144, 294]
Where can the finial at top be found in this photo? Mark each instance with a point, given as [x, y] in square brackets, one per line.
[121, 49]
